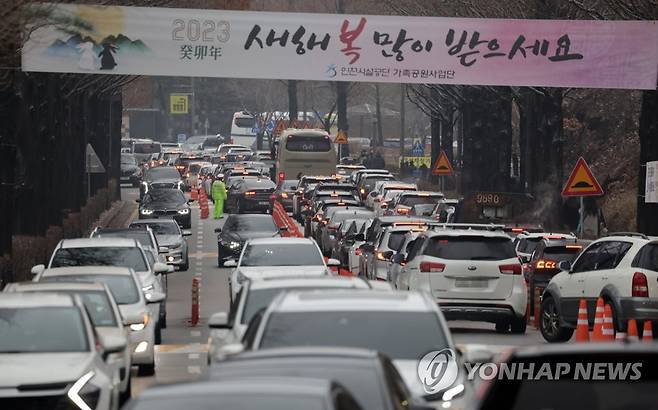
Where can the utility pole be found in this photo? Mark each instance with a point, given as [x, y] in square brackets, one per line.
[403, 96]
[341, 100]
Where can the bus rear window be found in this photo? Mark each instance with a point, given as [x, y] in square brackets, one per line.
[304, 143]
[245, 122]
[146, 148]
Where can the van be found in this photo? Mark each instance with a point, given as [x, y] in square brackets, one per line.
[305, 152]
[242, 129]
[144, 149]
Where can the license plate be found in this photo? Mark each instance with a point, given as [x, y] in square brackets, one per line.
[471, 283]
[263, 203]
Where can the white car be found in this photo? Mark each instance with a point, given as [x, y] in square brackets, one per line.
[354, 252]
[399, 259]
[51, 357]
[271, 257]
[404, 326]
[257, 295]
[622, 269]
[526, 242]
[382, 187]
[104, 315]
[125, 288]
[115, 252]
[388, 242]
[472, 274]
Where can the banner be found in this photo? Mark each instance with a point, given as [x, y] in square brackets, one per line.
[651, 191]
[397, 49]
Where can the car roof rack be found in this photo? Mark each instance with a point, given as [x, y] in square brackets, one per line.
[631, 234]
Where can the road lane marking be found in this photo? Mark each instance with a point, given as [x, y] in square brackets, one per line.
[193, 356]
[195, 333]
[194, 369]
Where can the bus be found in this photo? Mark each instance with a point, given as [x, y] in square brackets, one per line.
[242, 129]
[305, 152]
[144, 149]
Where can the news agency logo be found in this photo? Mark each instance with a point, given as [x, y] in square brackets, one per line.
[438, 370]
[331, 71]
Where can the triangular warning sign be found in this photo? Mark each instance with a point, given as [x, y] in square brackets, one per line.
[582, 181]
[280, 126]
[341, 138]
[295, 124]
[93, 164]
[307, 125]
[442, 165]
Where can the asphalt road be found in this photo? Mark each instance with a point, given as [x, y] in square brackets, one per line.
[182, 354]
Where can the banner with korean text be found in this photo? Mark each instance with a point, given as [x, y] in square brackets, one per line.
[329, 47]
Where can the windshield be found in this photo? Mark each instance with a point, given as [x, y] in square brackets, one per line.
[237, 223]
[166, 196]
[126, 257]
[50, 329]
[98, 307]
[528, 245]
[410, 200]
[162, 173]
[416, 333]
[561, 253]
[146, 148]
[470, 248]
[159, 228]
[141, 235]
[245, 122]
[123, 287]
[282, 255]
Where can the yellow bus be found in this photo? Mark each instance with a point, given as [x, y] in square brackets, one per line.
[305, 152]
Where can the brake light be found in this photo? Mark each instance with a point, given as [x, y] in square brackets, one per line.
[333, 194]
[402, 211]
[284, 195]
[250, 193]
[380, 256]
[514, 269]
[357, 251]
[282, 176]
[554, 237]
[545, 264]
[384, 205]
[640, 285]
[332, 228]
[273, 197]
[517, 230]
[362, 190]
[432, 267]
[574, 247]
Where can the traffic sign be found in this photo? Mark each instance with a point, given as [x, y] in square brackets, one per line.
[270, 126]
[341, 138]
[179, 104]
[417, 150]
[280, 126]
[582, 182]
[93, 164]
[307, 125]
[442, 165]
[181, 138]
[295, 124]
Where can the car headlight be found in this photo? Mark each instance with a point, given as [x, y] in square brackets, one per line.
[179, 184]
[140, 326]
[241, 278]
[146, 186]
[183, 211]
[234, 245]
[83, 394]
[146, 211]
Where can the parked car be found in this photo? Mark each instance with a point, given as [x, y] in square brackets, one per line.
[237, 230]
[166, 204]
[51, 357]
[133, 305]
[621, 268]
[228, 327]
[171, 240]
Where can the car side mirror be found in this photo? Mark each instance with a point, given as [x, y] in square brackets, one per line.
[159, 268]
[187, 233]
[399, 258]
[163, 249]
[218, 230]
[155, 297]
[387, 255]
[524, 259]
[565, 266]
[138, 200]
[112, 344]
[218, 320]
[37, 269]
[373, 194]
[228, 350]
[230, 264]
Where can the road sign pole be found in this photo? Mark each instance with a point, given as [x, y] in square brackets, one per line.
[581, 228]
[442, 187]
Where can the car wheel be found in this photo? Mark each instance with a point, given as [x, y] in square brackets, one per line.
[502, 326]
[146, 369]
[549, 323]
[124, 396]
[158, 334]
[519, 325]
[185, 266]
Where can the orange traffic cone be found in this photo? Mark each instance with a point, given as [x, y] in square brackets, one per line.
[647, 333]
[582, 328]
[597, 335]
[194, 194]
[632, 331]
[608, 327]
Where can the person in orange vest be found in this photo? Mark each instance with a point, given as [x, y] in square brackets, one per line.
[218, 197]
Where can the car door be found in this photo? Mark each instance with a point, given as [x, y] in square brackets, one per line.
[410, 273]
[604, 273]
[572, 287]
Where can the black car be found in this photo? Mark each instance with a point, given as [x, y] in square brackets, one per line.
[240, 228]
[166, 204]
[249, 195]
[130, 171]
[160, 178]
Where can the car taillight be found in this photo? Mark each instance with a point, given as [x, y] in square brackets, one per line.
[273, 197]
[380, 256]
[545, 264]
[402, 211]
[282, 176]
[432, 267]
[284, 195]
[250, 193]
[357, 251]
[640, 285]
[514, 269]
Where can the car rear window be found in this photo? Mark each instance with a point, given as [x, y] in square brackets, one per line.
[470, 248]
[395, 240]
[308, 143]
[647, 258]
[413, 200]
[528, 245]
[562, 253]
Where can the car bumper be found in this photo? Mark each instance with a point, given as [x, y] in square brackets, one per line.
[185, 221]
[476, 311]
[224, 253]
[254, 205]
[638, 308]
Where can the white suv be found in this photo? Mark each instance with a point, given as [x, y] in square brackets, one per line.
[622, 269]
[472, 274]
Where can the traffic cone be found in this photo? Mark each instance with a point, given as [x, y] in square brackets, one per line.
[582, 328]
[647, 333]
[194, 194]
[608, 327]
[597, 334]
[632, 331]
